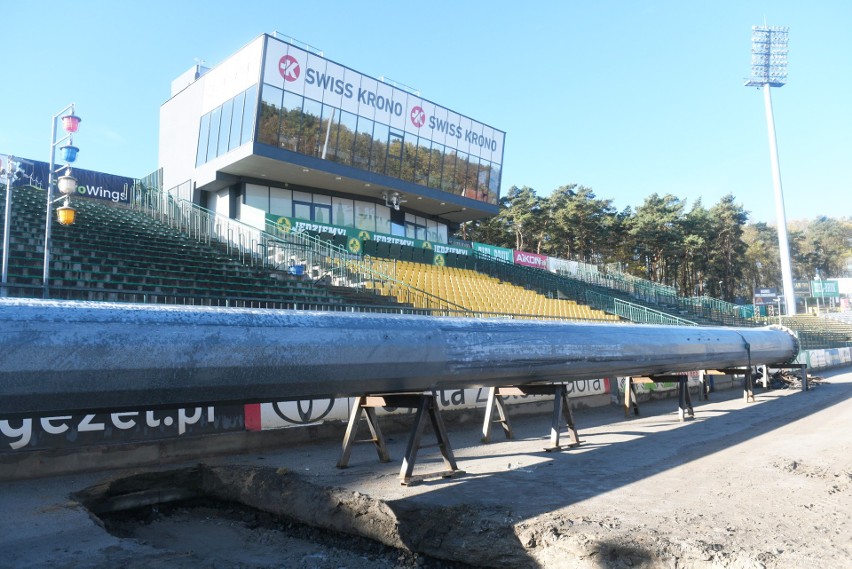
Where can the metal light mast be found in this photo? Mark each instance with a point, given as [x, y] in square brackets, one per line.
[769, 69]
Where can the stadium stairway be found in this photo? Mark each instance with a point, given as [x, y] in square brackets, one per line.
[112, 253]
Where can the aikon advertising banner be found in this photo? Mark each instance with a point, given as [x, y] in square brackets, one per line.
[303, 73]
[531, 260]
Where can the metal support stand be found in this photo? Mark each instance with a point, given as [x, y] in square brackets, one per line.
[630, 395]
[748, 382]
[684, 405]
[708, 385]
[562, 417]
[425, 405]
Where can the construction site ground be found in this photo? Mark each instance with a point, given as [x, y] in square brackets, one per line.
[746, 485]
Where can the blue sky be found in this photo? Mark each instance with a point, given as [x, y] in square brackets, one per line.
[626, 97]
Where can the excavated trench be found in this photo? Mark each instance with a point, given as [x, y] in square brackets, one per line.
[239, 516]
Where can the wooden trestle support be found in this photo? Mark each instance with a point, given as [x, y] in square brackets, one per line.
[425, 406]
[561, 418]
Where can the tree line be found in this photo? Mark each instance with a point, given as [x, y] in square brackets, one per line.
[698, 250]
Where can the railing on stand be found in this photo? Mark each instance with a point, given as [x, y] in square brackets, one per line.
[633, 312]
[320, 261]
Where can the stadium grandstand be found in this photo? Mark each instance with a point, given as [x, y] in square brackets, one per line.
[287, 180]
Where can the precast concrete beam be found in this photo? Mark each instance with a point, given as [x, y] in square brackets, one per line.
[60, 356]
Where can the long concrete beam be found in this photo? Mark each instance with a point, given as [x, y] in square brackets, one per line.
[71, 356]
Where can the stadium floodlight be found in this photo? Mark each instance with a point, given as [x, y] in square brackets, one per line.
[769, 69]
[768, 56]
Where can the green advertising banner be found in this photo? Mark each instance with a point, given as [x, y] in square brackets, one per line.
[497, 252]
[355, 237]
[825, 289]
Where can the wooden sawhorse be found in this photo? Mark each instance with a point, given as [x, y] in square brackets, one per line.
[561, 411]
[425, 405]
[684, 404]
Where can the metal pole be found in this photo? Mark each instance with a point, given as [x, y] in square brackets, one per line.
[783, 246]
[10, 176]
[53, 142]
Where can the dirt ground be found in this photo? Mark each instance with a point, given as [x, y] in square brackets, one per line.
[744, 485]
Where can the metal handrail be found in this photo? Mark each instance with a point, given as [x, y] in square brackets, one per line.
[281, 250]
[633, 312]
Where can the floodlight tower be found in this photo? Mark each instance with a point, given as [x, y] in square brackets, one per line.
[769, 69]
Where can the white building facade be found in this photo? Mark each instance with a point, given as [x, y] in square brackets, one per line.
[278, 132]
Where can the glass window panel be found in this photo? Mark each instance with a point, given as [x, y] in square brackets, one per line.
[421, 163]
[363, 142]
[311, 138]
[471, 179]
[291, 121]
[203, 134]
[322, 199]
[365, 216]
[328, 130]
[410, 217]
[442, 233]
[343, 211]
[225, 129]
[420, 233]
[322, 213]
[431, 230]
[257, 196]
[409, 155]
[383, 219]
[482, 179]
[302, 210]
[448, 176]
[494, 184]
[270, 115]
[410, 230]
[346, 137]
[380, 148]
[281, 202]
[395, 139]
[213, 141]
[236, 120]
[398, 229]
[459, 186]
[394, 161]
[436, 164]
[249, 114]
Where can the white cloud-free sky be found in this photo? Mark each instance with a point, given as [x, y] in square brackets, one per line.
[626, 97]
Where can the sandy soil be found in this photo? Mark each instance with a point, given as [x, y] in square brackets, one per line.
[744, 485]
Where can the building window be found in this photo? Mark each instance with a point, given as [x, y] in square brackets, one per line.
[203, 135]
[226, 127]
[249, 114]
[343, 211]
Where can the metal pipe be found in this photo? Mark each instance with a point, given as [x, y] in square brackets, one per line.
[67, 356]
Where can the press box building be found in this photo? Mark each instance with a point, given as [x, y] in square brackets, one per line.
[278, 132]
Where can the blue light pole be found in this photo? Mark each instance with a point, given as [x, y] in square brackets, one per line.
[67, 183]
